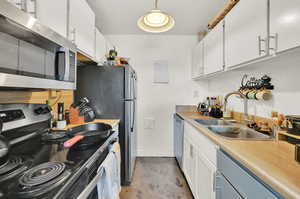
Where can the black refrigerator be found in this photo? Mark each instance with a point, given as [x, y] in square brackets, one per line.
[112, 92]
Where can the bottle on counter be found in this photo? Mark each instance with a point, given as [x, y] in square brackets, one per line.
[60, 111]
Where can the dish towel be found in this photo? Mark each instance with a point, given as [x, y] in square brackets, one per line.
[109, 184]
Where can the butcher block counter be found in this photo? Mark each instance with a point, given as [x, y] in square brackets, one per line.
[272, 161]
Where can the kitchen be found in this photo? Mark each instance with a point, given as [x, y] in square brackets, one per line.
[139, 99]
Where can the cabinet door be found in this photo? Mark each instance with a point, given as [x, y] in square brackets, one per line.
[213, 50]
[244, 25]
[192, 167]
[198, 60]
[82, 26]
[284, 21]
[205, 177]
[206, 147]
[53, 14]
[243, 181]
[100, 45]
[109, 46]
[225, 190]
[188, 162]
[185, 155]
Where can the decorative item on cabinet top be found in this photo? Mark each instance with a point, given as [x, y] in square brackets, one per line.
[112, 59]
[257, 89]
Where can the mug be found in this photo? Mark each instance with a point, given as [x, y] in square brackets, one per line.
[263, 95]
[251, 95]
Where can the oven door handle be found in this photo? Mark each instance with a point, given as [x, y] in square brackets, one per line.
[88, 190]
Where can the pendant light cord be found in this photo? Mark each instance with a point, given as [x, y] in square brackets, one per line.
[156, 4]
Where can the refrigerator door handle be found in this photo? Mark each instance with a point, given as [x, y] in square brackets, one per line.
[134, 103]
[133, 118]
[129, 100]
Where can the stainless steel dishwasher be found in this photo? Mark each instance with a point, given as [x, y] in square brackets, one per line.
[178, 138]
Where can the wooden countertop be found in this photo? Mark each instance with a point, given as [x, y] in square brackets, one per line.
[110, 122]
[272, 161]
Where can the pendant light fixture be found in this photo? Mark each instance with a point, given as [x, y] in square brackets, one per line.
[156, 21]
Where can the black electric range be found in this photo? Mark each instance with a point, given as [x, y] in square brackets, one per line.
[38, 165]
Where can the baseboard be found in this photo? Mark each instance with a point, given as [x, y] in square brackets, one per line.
[146, 153]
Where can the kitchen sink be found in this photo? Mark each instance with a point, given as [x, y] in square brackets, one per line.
[238, 132]
[214, 122]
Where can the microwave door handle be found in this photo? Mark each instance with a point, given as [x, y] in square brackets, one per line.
[67, 65]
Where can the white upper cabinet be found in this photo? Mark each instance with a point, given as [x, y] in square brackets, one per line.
[82, 26]
[213, 50]
[100, 45]
[198, 60]
[109, 46]
[246, 34]
[285, 22]
[53, 14]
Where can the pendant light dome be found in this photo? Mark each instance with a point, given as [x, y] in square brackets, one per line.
[156, 21]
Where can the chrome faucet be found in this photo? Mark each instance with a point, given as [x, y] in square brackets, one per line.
[245, 116]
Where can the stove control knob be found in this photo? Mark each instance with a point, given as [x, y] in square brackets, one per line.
[46, 110]
[38, 111]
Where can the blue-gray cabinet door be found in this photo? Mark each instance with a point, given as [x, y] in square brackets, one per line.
[224, 190]
[242, 180]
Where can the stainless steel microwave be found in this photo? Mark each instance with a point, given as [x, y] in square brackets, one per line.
[33, 55]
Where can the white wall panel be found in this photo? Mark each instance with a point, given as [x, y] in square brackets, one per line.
[157, 101]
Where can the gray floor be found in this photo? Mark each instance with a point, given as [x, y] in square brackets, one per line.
[157, 178]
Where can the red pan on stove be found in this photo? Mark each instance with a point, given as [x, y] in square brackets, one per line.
[88, 134]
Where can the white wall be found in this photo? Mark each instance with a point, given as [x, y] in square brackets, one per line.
[158, 101]
[285, 73]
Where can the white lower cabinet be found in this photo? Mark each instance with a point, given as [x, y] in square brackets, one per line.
[190, 164]
[199, 163]
[205, 178]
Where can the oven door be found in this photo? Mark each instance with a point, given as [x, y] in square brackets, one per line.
[91, 191]
[97, 186]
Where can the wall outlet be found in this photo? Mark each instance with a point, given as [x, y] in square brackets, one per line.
[196, 94]
[149, 123]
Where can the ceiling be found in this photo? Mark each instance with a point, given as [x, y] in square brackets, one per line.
[120, 16]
